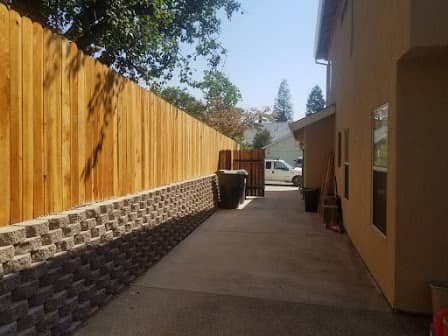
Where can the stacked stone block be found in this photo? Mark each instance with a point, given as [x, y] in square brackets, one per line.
[56, 271]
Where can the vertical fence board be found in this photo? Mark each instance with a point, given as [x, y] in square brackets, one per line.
[52, 123]
[28, 126]
[95, 111]
[108, 167]
[56, 138]
[157, 139]
[101, 96]
[153, 121]
[178, 125]
[89, 130]
[145, 139]
[171, 139]
[16, 117]
[38, 122]
[114, 121]
[81, 133]
[45, 111]
[122, 138]
[161, 139]
[65, 124]
[5, 101]
[130, 151]
[137, 137]
[74, 140]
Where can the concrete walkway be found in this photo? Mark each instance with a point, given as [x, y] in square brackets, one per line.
[267, 269]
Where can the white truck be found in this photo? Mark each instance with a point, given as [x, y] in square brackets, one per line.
[281, 171]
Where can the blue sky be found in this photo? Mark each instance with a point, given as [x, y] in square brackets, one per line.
[271, 41]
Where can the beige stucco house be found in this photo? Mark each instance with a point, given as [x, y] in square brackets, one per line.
[283, 145]
[387, 78]
[315, 134]
[285, 148]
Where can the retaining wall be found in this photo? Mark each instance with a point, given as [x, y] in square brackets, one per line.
[56, 271]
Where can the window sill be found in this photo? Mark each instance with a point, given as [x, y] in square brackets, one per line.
[378, 231]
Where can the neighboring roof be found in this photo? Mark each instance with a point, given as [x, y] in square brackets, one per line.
[276, 129]
[325, 21]
[284, 137]
[313, 118]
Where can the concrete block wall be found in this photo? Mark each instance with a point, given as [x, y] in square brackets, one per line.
[56, 271]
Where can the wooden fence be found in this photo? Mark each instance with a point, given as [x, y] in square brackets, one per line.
[73, 131]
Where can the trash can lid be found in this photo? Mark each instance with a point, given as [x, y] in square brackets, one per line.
[310, 189]
[439, 283]
[233, 172]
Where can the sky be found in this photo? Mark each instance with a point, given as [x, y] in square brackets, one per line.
[273, 40]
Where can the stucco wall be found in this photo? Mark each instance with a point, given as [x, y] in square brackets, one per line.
[365, 52]
[422, 162]
[319, 142]
[286, 149]
[365, 48]
[429, 24]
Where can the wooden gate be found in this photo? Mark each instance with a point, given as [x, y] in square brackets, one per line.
[250, 160]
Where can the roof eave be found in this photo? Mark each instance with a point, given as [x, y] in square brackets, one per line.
[325, 21]
[280, 139]
[299, 125]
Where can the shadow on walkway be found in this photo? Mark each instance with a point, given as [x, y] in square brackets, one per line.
[266, 269]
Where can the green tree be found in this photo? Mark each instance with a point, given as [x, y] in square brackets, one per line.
[142, 39]
[262, 138]
[219, 92]
[316, 101]
[221, 97]
[183, 100]
[283, 106]
[227, 121]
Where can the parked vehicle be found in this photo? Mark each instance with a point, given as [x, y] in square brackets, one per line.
[281, 171]
[299, 162]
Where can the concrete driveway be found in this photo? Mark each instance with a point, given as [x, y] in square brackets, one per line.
[266, 269]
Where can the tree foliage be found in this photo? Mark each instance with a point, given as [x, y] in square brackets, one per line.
[142, 39]
[316, 101]
[262, 138]
[219, 109]
[227, 121]
[283, 106]
[183, 100]
[221, 97]
[219, 92]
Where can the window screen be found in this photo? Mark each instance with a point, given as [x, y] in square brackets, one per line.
[380, 200]
[379, 167]
[346, 181]
[346, 163]
[339, 149]
[346, 145]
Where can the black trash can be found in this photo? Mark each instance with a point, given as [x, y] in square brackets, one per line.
[231, 188]
[311, 196]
